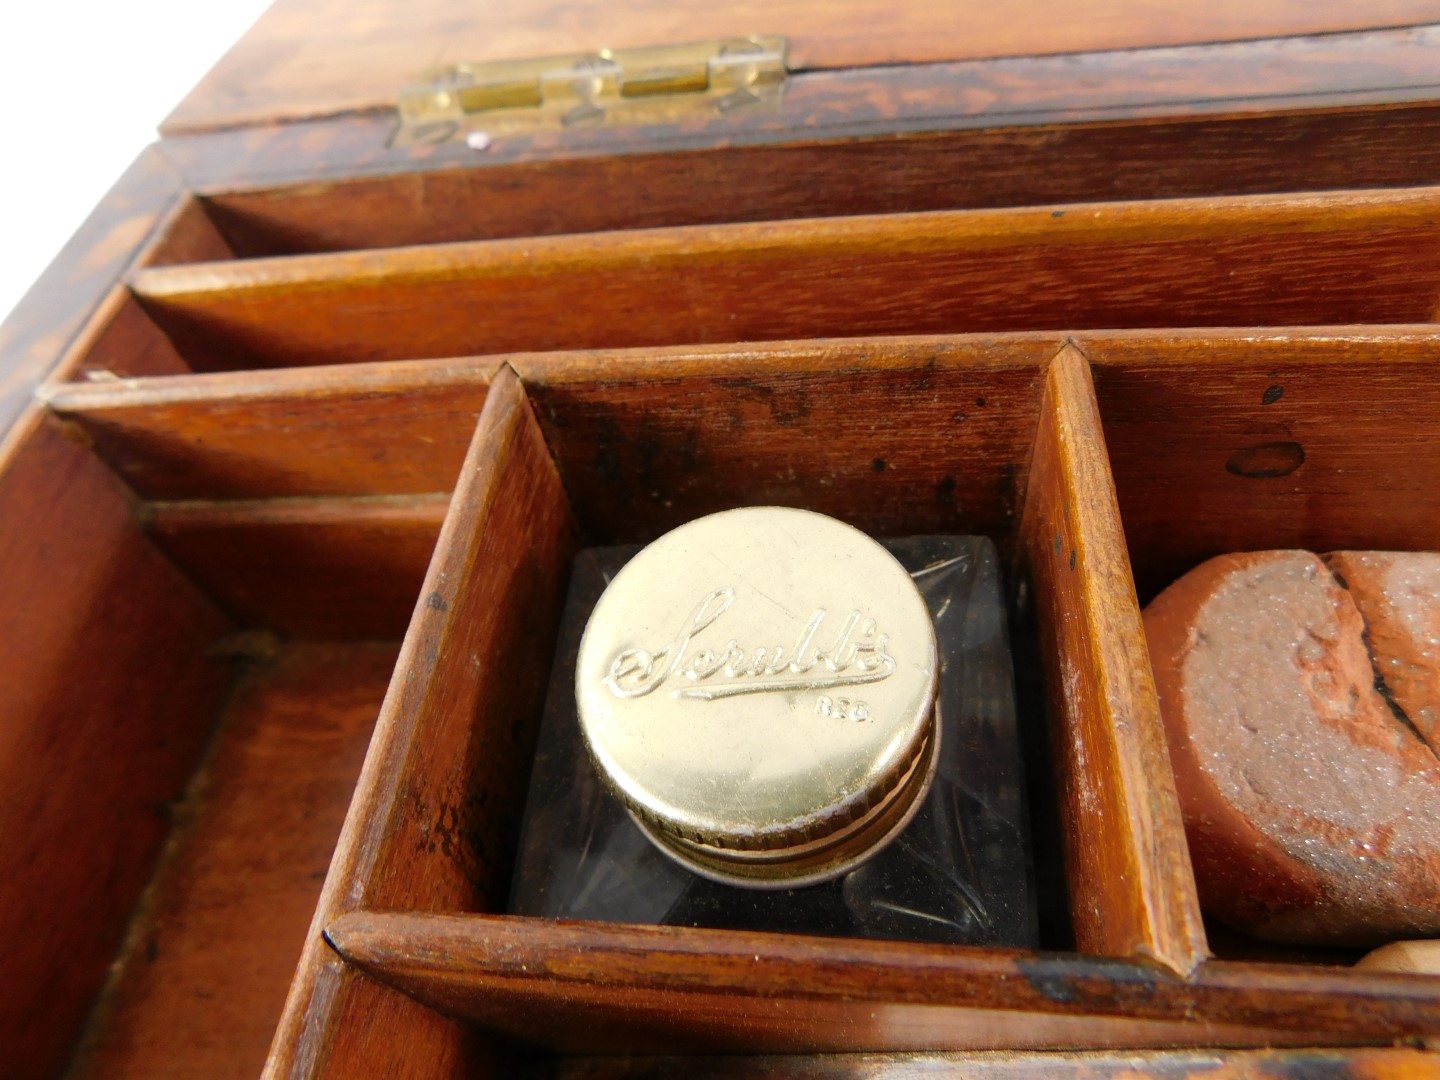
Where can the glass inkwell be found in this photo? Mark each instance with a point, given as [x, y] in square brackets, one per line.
[768, 720]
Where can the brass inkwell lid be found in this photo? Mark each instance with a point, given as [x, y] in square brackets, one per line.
[758, 687]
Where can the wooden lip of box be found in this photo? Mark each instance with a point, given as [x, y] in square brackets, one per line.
[288, 380]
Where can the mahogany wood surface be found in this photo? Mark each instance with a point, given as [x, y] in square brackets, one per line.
[533, 194]
[898, 436]
[437, 807]
[208, 960]
[1254, 260]
[992, 132]
[1291, 1064]
[597, 987]
[375, 429]
[329, 569]
[1132, 890]
[359, 429]
[396, 428]
[1235, 444]
[107, 701]
[322, 57]
[1341, 110]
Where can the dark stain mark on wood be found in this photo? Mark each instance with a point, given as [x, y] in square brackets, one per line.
[1086, 981]
[787, 407]
[436, 602]
[1267, 460]
[1272, 394]
[945, 491]
[878, 465]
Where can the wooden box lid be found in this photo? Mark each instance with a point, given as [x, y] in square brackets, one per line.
[316, 58]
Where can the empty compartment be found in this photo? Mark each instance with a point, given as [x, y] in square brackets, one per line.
[174, 788]
[1245, 261]
[191, 687]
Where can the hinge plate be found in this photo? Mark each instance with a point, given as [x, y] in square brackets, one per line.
[629, 87]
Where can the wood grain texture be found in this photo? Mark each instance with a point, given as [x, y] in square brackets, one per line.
[437, 809]
[321, 57]
[1294, 1064]
[210, 955]
[897, 436]
[1132, 891]
[396, 427]
[1255, 260]
[359, 429]
[911, 137]
[1342, 110]
[486, 200]
[106, 704]
[600, 987]
[341, 569]
[1270, 441]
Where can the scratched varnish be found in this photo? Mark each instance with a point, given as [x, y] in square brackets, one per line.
[301, 434]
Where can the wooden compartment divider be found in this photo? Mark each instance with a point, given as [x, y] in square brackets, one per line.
[1132, 891]
[357, 429]
[1113, 144]
[1253, 260]
[437, 807]
[320, 568]
[581, 987]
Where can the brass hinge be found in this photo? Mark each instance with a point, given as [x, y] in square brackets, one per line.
[658, 85]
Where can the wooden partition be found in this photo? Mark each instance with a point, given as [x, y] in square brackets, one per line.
[1124, 838]
[436, 813]
[1251, 261]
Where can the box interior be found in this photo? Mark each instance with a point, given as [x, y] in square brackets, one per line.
[271, 443]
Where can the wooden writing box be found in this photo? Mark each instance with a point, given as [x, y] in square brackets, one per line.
[305, 426]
